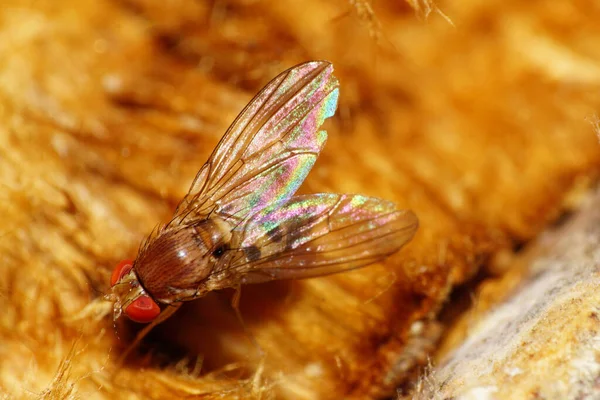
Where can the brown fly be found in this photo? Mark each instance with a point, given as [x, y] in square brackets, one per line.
[241, 223]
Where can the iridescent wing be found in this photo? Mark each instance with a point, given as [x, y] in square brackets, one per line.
[268, 150]
[319, 234]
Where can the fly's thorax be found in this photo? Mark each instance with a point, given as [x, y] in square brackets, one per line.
[173, 265]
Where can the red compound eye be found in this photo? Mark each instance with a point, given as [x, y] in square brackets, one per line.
[143, 309]
[120, 270]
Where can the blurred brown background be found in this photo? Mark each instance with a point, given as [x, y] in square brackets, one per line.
[483, 126]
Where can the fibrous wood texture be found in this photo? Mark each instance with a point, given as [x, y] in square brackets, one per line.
[541, 339]
[108, 109]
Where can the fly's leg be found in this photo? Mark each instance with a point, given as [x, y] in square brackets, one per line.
[166, 313]
[235, 303]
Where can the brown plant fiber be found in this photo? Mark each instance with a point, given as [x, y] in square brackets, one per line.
[108, 108]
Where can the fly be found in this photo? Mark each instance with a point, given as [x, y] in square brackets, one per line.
[240, 222]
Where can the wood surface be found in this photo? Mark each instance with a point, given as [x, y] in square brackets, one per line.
[484, 127]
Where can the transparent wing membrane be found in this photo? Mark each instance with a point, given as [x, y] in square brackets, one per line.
[321, 234]
[269, 149]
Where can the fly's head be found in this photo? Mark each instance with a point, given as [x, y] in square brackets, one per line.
[130, 297]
